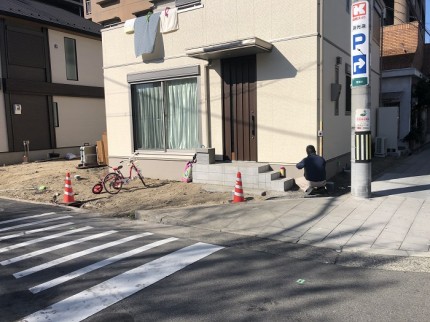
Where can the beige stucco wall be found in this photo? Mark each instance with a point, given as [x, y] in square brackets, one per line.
[288, 92]
[81, 120]
[337, 15]
[337, 129]
[89, 58]
[4, 147]
[286, 101]
[287, 74]
[220, 21]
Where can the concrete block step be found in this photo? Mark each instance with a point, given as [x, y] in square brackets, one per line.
[254, 175]
[281, 184]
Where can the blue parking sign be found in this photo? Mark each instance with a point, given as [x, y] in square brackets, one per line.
[359, 65]
[360, 42]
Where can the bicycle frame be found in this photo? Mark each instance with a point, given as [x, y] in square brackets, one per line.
[114, 181]
[124, 179]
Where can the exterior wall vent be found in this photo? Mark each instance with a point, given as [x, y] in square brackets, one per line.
[381, 147]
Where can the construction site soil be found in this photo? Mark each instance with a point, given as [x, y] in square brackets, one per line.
[44, 182]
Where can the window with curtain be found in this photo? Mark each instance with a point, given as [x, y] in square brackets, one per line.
[165, 115]
[348, 103]
[182, 4]
[71, 59]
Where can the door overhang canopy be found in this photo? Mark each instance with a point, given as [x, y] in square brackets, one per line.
[236, 48]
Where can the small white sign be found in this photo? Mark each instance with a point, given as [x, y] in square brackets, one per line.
[362, 120]
[17, 109]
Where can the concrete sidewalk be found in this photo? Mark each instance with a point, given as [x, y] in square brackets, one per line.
[395, 221]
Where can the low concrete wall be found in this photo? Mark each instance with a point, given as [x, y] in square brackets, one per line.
[156, 169]
[7, 158]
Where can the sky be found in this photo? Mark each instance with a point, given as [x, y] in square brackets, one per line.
[428, 20]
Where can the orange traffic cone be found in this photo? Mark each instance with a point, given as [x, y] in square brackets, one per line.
[68, 191]
[238, 190]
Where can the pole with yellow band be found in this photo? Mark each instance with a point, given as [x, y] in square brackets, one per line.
[363, 147]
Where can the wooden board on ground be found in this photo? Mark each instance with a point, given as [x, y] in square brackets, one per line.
[100, 153]
[105, 148]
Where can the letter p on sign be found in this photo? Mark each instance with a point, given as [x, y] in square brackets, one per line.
[358, 39]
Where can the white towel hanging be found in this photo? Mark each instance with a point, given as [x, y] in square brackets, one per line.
[169, 20]
[129, 26]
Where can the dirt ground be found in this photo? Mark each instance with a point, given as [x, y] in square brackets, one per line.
[44, 182]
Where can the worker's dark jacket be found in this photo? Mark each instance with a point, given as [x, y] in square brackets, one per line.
[314, 167]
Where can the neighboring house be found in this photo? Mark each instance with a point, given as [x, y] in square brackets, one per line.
[107, 12]
[256, 81]
[403, 59]
[74, 6]
[52, 81]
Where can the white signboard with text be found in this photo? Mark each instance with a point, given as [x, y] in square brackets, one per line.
[362, 120]
[360, 43]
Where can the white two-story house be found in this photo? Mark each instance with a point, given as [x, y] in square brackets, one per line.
[256, 81]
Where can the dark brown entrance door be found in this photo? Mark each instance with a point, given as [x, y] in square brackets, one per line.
[240, 108]
[32, 123]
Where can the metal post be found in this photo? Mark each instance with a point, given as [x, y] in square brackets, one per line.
[26, 157]
[361, 137]
[361, 166]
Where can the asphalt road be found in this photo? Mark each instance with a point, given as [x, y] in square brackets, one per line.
[121, 270]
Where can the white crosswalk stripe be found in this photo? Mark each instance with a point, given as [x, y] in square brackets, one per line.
[38, 240]
[64, 259]
[81, 305]
[50, 249]
[33, 231]
[86, 303]
[27, 217]
[33, 223]
[95, 266]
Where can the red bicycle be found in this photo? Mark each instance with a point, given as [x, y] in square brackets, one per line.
[114, 181]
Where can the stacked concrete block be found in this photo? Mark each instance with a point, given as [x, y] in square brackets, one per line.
[205, 155]
[254, 175]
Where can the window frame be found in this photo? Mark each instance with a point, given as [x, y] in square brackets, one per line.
[75, 77]
[55, 115]
[348, 90]
[88, 8]
[163, 86]
[376, 27]
[182, 4]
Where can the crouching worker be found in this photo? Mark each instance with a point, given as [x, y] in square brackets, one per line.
[314, 171]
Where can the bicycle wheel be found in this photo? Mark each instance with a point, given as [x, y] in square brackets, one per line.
[112, 183]
[98, 188]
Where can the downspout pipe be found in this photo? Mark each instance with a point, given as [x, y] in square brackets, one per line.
[320, 70]
[208, 103]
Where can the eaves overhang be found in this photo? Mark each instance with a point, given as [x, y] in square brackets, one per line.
[236, 48]
[402, 72]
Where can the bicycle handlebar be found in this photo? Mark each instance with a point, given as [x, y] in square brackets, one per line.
[132, 158]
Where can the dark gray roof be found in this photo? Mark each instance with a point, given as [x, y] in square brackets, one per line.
[44, 13]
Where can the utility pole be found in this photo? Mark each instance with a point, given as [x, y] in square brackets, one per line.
[361, 136]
